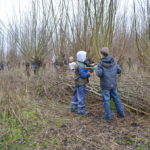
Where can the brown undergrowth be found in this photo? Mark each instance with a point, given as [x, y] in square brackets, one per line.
[35, 114]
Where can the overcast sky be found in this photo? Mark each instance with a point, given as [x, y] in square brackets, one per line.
[11, 8]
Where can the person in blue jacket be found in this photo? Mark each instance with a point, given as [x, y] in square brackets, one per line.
[107, 71]
[81, 79]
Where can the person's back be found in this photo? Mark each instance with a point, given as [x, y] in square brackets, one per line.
[110, 70]
[2, 66]
[107, 71]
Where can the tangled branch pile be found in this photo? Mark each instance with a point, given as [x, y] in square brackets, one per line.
[35, 115]
[134, 90]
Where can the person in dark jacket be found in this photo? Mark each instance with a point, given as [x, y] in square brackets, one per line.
[81, 79]
[107, 71]
[2, 66]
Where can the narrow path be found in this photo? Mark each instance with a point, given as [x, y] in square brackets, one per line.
[89, 132]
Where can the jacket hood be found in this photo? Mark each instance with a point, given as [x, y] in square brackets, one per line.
[81, 56]
[108, 61]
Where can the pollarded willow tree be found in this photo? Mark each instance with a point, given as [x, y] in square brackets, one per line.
[35, 32]
[122, 36]
[92, 25]
[64, 27]
[45, 29]
[87, 25]
[12, 45]
[142, 29]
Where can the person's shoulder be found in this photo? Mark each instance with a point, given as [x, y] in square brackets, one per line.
[113, 58]
[79, 65]
[72, 64]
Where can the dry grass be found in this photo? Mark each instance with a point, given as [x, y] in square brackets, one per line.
[35, 114]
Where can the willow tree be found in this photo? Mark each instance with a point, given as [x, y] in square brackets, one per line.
[104, 23]
[94, 23]
[12, 45]
[35, 34]
[87, 25]
[122, 36]
[142, 29]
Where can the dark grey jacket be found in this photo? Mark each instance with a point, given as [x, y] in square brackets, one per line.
[107, 70]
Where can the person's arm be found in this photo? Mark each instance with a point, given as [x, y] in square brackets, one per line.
[83, 73]
[119, 70]
[99, 71]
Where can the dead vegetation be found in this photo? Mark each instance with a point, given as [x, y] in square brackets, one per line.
[35, 114]
[34, 110]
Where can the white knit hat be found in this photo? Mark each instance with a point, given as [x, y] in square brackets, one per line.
[81, 56]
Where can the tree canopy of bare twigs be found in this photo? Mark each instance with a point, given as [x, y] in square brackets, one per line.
[142, 29]
[67, 26]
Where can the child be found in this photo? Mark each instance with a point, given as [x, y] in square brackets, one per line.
[81, 79]
[71, 63]
[107, 70]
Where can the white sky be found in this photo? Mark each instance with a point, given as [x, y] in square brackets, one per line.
[11, 8]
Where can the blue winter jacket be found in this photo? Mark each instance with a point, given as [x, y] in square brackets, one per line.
[107, 70]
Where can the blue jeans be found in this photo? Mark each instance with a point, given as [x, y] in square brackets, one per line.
[78, 99]
[107, 94]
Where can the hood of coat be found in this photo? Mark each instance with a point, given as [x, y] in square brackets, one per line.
[108, 61]
[81, 56]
